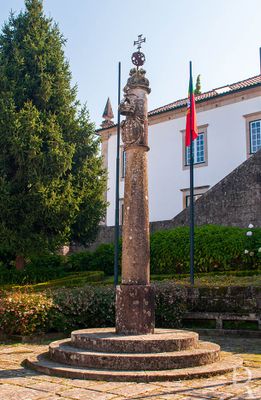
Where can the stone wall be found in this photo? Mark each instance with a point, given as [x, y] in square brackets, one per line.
[234, 201]
[106, 234]
[232, 299]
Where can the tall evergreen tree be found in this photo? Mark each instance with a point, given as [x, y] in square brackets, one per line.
[51, 176]
[198, 85]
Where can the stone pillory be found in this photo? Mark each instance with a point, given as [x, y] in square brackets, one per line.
[134, 297]
[135, 352]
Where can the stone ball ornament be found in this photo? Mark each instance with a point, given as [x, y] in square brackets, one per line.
[138, 58]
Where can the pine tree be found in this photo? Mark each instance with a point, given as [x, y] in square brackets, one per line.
[198, 85]
[51, 176]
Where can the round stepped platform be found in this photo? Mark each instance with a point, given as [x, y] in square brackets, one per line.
[106, 340]
[205, 353]
[103, 355]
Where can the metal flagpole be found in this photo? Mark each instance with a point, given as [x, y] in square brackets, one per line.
[191, 234]
[116, 231]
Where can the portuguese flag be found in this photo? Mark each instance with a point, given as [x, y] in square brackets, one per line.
[191, 120]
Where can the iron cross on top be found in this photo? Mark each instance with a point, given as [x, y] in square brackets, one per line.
[139, 41]
[138, 58]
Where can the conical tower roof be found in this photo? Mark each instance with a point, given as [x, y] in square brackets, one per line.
[108, 113]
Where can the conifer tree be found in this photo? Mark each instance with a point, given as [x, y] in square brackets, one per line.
[51, 176]
[198, 85]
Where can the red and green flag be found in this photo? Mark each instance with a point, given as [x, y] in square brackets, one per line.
[191, 120]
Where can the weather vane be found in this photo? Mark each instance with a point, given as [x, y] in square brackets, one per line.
[138, 58]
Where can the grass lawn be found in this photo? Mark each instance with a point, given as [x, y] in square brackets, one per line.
[222, 280]
[208, 280]
[79, 279]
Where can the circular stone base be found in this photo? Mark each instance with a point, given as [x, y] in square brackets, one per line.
[106, 340]
[44, 365]
[101, 354]
[205, 353]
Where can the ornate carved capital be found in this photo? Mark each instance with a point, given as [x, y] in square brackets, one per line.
[134, 108]
[137, 79]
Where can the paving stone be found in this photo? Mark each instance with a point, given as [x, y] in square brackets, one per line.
[82, 383]
[85, 394]
[171, 384]
[17, 380]
[107, 386]
[12, 392]
[48, 387]
[133, 389]
[54, 398]
[54, 379]
[170, 396]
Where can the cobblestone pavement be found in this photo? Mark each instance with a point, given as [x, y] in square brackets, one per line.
[17, 383]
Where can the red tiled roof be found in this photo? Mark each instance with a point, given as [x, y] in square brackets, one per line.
[221, 91]
[218, 92]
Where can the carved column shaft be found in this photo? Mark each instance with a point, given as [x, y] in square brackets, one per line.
[135, 237]
[134, 297]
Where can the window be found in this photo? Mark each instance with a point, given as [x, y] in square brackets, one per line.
[121, 211]
[122, 163]
[195, 197]
[253, 132]
[255, 135]
[198, 192]
[199, 149]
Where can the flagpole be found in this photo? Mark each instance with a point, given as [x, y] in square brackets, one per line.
[191, 208]
[116, 231]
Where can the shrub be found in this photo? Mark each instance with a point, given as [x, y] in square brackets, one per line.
[103, 257]
[217, 248]
[48, 267]
[253, 246]
[170, 304]
[63, 310]
[86, 307]
[26, 314]
[80, 261]
[39, 269]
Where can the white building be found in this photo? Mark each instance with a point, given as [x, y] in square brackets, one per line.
[229, 126]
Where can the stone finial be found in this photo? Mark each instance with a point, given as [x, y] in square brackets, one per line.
[107, 115]
[137, 79]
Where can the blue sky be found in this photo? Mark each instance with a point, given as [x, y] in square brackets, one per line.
[222, 38]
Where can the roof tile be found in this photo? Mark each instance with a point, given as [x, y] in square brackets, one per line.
[218, 92]
[256, 80]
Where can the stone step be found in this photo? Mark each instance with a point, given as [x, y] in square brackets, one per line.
[106, 340]
[205, 353]
[43, 365]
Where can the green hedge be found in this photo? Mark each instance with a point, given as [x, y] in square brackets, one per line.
[39, 269]
[48, 267]
[217, 248]
[72, 280]
[63, 310]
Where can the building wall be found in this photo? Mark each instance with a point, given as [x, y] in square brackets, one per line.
[233, 201]
[226, 149]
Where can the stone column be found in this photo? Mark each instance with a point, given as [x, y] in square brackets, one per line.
[134, 297]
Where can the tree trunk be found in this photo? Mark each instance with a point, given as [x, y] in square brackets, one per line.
[19, 263]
